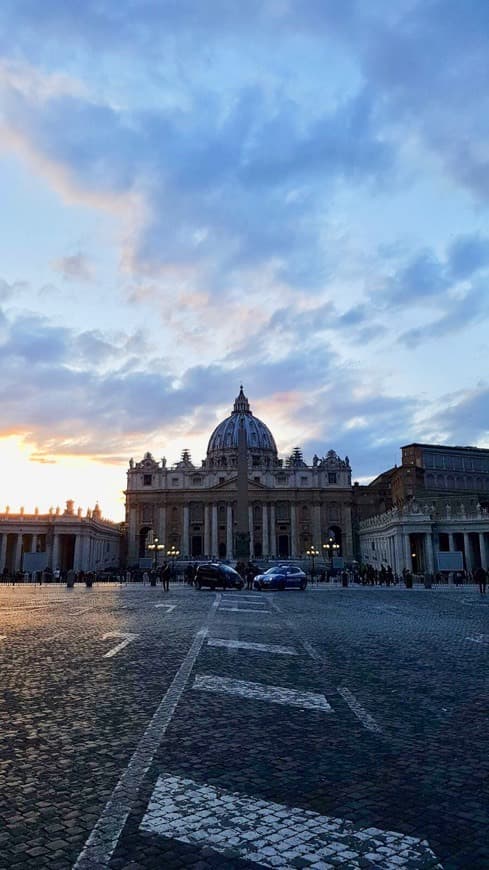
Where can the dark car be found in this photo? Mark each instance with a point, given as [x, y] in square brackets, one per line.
[213, 575]
[281, 577]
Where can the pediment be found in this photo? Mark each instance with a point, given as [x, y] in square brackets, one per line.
[232, 485]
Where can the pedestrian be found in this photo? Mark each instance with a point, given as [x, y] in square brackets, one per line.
[250, 576]
[165, 577]
[145, 578]
[480, 577]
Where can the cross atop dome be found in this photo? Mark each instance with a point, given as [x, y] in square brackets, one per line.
[241, 404]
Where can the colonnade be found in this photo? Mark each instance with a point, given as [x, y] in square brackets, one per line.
[84, 550]
[395, 548]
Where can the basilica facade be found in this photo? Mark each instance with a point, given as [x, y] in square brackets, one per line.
[193, 509]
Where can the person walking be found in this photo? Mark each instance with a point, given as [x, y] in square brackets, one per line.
[480, 577]
[165, 577]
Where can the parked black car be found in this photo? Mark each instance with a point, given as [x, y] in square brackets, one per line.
[213, 574]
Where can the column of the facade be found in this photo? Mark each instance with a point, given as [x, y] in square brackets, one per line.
[293, 530]
[207, 530]
[251, 528]
[468, 554]
[265, 543]
[214, 547]
[162, 525]
[185, 548]
[34, 544]
[451, 544]
[273, 531]
[482, 547]
[316, 526]
[229, 531]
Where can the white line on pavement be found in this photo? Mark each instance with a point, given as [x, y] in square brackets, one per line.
[128, 638]
[271, 834]
[242, 610]
[169, 607]
[365, 718]
[101, 843]
[258, 647]
[262, 692]
[479, 638]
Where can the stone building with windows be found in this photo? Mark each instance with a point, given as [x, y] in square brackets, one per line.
[435, 503]
[193, 508]
[58, 540]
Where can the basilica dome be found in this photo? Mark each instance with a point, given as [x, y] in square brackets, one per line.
[224, 439]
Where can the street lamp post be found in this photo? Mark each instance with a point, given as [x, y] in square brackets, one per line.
[330, 548]
[312, 552]
[173, 553]
[156, 546]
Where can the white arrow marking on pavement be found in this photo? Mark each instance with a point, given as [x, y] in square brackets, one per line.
[128, 638]
[169, 607]
[366, 719]
[271, 834]
[258, 647]
[262, 692]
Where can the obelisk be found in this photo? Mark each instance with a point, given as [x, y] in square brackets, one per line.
[242, 542]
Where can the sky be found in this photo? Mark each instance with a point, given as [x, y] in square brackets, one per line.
[292, 195]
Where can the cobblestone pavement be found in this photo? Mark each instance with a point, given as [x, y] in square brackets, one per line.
[331, 728]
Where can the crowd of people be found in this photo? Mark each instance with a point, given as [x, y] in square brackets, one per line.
[366, 575]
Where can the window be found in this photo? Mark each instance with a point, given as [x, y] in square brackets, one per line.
[331, 476]
[147, 479]
[304, 481]
[222, 480]
[197, 481]
[256, 479]
[174, 481]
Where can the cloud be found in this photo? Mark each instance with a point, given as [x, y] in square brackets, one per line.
[463, 419]
[74, 267]
[468, 254]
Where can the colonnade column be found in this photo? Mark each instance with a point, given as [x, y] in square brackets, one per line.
[273, 531]
[214, 531]
[34, 544]
[3, 551]
[451, 545]
[229, 532]
[18, 553]
[428, 549]
[77, 553]
[132, 549]
[265, 548]
[186, 527]
[468, 554]
[406, 551]
[252, 537]
[207, 530]
[293, 531]
[482, 547]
